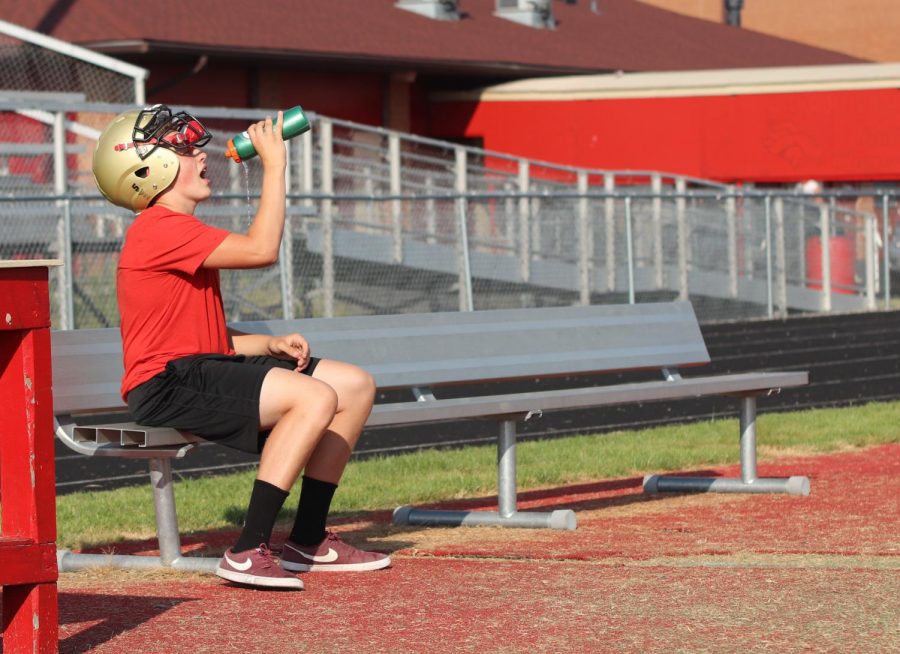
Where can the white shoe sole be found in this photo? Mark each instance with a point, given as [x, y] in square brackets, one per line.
[254, 580]
[336, 567]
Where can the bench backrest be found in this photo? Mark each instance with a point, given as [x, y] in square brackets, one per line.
[421, 350]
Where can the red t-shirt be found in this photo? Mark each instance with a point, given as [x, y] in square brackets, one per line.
[170, 307]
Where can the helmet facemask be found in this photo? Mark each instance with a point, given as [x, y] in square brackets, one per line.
[157, 127]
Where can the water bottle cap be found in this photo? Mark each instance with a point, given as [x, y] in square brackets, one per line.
[232, 152]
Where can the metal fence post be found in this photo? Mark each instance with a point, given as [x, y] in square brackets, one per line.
[466, 298]
[67, 308]
[306, 176]
[871, 264]
[825, 240]
[732, 242]
[629, 247]
[326, 144]
[656, 212]
[430, 211]
[770, 308]
[524, 223]
[609, 185]
[681, 229]
[286, 253]
[887, 254]
[780, 258]
[396, 208]
[584, 241]
[65, 279]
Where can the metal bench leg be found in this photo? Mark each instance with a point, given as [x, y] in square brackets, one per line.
[166, 516]
[507, 515]
[748, 483]
[166, 533]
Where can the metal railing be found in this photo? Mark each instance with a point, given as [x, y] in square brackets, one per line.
[381, 222]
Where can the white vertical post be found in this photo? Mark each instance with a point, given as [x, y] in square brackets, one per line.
[466, 298]
[609, 185]
[825, 240]
[802, 241]
[306, 177]
[584, 253]
[430, 211]
[656, 211]
[326, 143]
[871, 257]
[732, 242]
[396, 209]
[770, 295]
[886, 231]
[286, 254]
[140, 98]
[682, 231]
[524, 224]
[780, 258]
[629, 248]
[509, 216]
[66, 282]
[67, 307]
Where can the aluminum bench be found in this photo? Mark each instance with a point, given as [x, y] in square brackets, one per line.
[421, 356]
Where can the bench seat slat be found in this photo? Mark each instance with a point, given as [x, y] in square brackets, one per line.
[495, 405]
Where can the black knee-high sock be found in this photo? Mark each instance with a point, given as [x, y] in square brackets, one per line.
[315, 502]
[265, 503]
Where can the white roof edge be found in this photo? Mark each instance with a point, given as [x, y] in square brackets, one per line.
[740, 81]
[66, 48]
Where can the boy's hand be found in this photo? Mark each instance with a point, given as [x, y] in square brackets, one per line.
[292, 346]
[268, 141]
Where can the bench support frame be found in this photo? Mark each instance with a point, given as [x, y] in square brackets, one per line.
[507, 514]
[748, 481]
[167, 534]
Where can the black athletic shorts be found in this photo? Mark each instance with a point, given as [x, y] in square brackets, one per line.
[214, 396]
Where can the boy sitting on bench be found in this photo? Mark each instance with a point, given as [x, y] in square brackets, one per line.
[185, 369]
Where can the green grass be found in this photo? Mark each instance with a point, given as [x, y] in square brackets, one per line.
[210, 503]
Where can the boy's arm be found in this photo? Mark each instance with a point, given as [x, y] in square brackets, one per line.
[260, 245]
[292, 347]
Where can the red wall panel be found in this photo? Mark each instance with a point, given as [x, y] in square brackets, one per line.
[784, 137]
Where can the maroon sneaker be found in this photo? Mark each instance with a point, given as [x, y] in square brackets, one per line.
[256, 567]
[332, 554]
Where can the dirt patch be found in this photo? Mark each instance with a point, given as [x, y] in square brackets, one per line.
[449, 605]
[688, 573]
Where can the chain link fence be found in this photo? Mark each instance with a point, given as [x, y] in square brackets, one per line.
[380, 222]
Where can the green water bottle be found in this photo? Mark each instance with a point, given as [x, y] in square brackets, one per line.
[240, 148]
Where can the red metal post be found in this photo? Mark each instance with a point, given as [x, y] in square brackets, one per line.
[28, 570]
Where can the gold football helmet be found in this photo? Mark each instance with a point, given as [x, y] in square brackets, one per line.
[136, 155]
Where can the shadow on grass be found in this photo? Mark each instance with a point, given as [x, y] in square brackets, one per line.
[576, 497]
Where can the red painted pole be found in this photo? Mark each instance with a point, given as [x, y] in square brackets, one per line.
[28, 570]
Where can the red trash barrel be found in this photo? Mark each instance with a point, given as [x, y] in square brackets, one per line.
[843, 262]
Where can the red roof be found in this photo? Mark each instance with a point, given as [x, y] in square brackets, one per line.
[622, 35]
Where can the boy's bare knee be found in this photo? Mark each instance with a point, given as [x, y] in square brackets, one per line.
[321, 405]
[365, 384]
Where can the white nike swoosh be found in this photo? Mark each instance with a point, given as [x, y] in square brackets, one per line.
[238, 566]
[324, 558]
